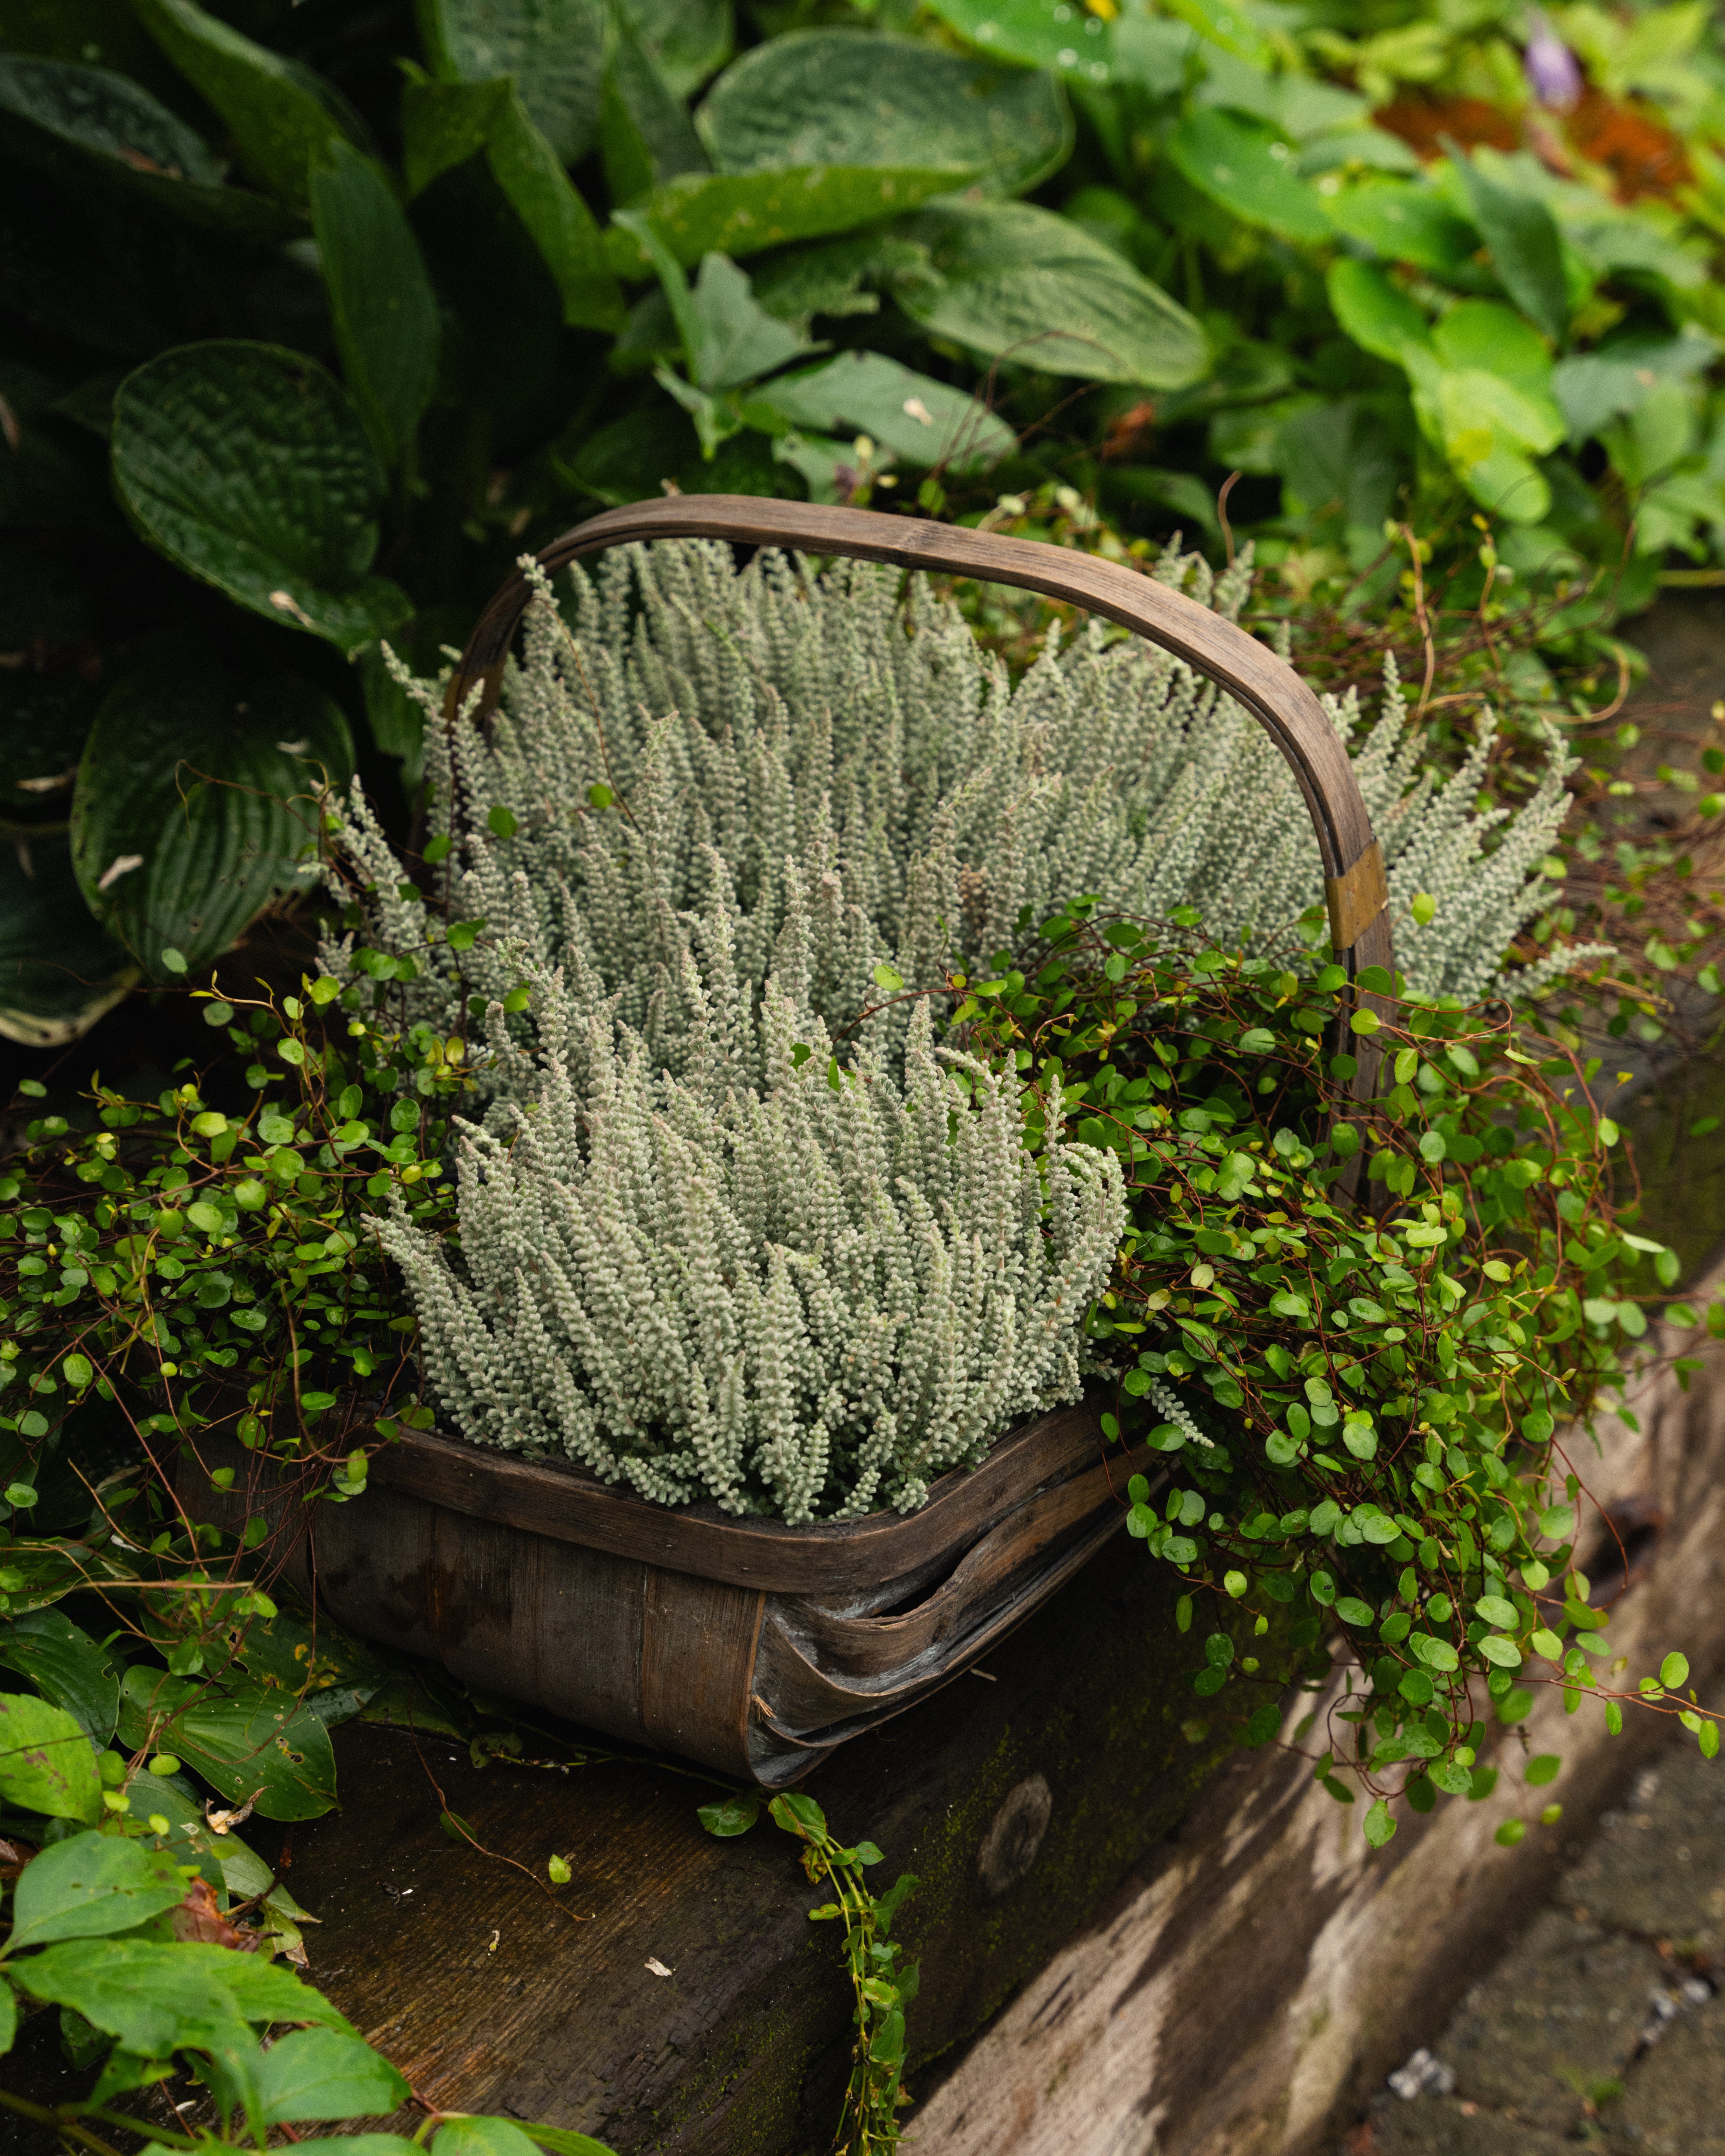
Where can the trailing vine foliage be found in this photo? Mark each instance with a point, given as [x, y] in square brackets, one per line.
[1372, 1405]
[1363, 1396]
[875, 2094]
[168, 1272]
[177, 1264]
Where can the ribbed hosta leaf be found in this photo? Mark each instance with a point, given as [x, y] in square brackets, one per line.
[381, 298]
[741, 213]
[195, 803]
[1018, 282]
[554, 49]
[247, 465]
[56, 114]
[280, 113]
[852, 97]
[58, 970]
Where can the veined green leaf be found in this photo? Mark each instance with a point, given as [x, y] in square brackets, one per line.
[444, 123]
[553, 48]
[281, 114]
[320, 2073]
[646, 135]
[208, 789]
[157, 1997]
[862, 98]
[690, 39]
[727, 338]
[1040, 33]
[743, 213]
[70, 1669]
[250, 1741]
[59, 971]
[247, 465]
[1018, 282]
[47, 1764]
[923, 422]
[89, 1887]
[59, 114]
[381, 299]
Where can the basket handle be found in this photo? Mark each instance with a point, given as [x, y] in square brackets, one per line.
[1356, 891]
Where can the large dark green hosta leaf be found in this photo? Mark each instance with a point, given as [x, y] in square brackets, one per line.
[381, 299]
[446, 124]
[58, 970]
[852, 97]
[743, 213]
[281, 114]
[55, 114]
[247, 465]
[690, 39]
[196, 803]
[1020, 283]
[247, 1739]
[554, 49]
[1067, 40]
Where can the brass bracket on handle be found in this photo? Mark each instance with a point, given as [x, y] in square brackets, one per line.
[1355, 898]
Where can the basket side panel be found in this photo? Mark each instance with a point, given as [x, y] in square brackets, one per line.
[576, 1645]
[698, 1647]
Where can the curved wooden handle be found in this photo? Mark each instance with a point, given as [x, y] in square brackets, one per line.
[1355, 889]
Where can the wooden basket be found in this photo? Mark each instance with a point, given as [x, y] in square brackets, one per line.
[750, 1646]
[755, 1647]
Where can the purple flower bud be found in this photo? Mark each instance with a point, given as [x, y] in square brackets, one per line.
[1553, 72]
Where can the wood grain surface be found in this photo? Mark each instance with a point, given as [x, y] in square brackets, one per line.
[1333, 1962]
[491, 1995]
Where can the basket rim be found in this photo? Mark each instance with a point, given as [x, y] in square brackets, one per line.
[568, 1503]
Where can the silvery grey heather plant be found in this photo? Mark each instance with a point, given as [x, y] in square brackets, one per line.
[697, 758]
[808, 1298]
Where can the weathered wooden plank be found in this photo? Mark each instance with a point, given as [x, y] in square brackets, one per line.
[745, 2046]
